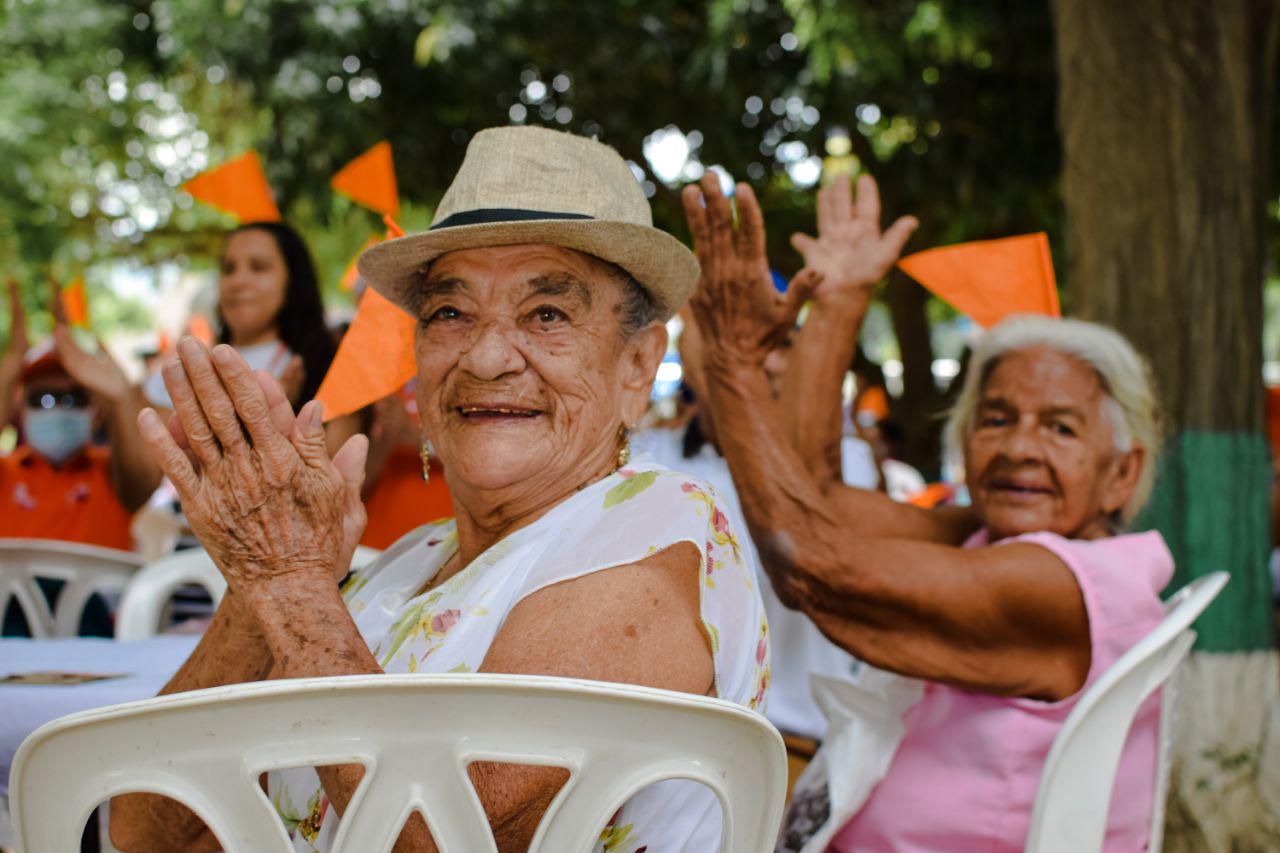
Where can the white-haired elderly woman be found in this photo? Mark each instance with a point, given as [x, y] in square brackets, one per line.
[1009, 608]
[541, 292]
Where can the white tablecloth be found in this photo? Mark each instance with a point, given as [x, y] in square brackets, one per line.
[24, 708]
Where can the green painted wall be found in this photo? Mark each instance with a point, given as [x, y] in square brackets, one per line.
[1211, 503]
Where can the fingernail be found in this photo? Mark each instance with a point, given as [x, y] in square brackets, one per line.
[223, 354]
[317, 413]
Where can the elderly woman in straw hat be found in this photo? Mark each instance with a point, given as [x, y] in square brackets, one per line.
[1007, 609]
[540, 293]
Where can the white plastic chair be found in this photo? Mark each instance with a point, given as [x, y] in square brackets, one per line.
[141, 610]
[415, 735]
[85, 569]
[1070, 812]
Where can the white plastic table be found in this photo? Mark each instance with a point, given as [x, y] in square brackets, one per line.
[24, 708]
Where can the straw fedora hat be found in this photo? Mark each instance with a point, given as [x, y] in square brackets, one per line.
[535, 185]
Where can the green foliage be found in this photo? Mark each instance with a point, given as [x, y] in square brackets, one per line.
[951, 104]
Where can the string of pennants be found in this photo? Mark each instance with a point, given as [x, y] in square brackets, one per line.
[986, 280]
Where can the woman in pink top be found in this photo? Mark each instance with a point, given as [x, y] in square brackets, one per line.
[1008, 608]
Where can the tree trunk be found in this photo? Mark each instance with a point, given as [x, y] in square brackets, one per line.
[918, 408]
[1166, 111]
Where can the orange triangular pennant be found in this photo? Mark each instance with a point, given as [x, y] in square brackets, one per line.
[990, 279]
[75, 305]
[370, 180]
[238, 187]
[352, 275]
[374, 359]
[198, 327]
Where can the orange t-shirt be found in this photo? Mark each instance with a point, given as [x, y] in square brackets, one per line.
[73, 503]
[401, 501]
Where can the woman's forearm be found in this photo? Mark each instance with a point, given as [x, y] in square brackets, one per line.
[781, 497]
[10, 370]
[134, 474]
[812, 396]
[232, 651]
[310, 633]
[1006, 620]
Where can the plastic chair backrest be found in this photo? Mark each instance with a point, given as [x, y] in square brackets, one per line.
[1070, 811]
[149, 591]
[85, 569]
[415, 735]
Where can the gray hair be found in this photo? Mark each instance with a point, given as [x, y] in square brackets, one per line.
[1126, 379]
[638, 308]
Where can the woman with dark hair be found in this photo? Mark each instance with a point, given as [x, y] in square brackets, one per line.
[270, 310]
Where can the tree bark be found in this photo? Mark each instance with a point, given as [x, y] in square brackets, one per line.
[1166, 108]
[1166, 111]
[918, 409]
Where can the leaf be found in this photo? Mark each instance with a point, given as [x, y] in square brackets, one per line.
[629, 488]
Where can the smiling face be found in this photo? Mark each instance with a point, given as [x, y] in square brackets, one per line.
[1041, 454]
[524, 374]
[251, 289]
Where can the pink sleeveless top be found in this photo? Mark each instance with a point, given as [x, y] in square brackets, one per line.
[965, 775]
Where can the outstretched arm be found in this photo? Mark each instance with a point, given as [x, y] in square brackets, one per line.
[1008, 620]
[134, 474]
[852, 255]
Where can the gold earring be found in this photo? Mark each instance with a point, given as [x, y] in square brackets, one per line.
[624, 453]
[425, 454]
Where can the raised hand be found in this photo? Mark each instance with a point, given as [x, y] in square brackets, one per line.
[740, 313]
[256, 484]
[850, 250]
[97, 371]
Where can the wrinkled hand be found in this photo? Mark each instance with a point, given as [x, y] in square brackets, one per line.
[97, 371]
[850, 251]
[740, 313]
[256, 484]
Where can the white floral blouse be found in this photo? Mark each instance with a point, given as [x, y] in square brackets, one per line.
[629, 515]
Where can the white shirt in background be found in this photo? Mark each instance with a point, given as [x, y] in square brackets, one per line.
[797, 648]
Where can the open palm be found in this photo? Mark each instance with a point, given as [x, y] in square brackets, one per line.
[850, 251]
[740, 313]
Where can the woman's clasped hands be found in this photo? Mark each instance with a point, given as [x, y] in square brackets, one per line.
[256, 483]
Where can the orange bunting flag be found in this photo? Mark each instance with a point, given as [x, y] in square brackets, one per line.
[370, 180]
[238, 187]
[352, 275]
[375, 358]
[394, 231]
[198, 327]
[75, 305]
[990, 279]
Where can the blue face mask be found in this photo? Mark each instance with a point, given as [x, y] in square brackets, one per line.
[56, 434]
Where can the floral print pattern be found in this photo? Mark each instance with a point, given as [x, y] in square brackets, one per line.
[720, 532]
[624, 518]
